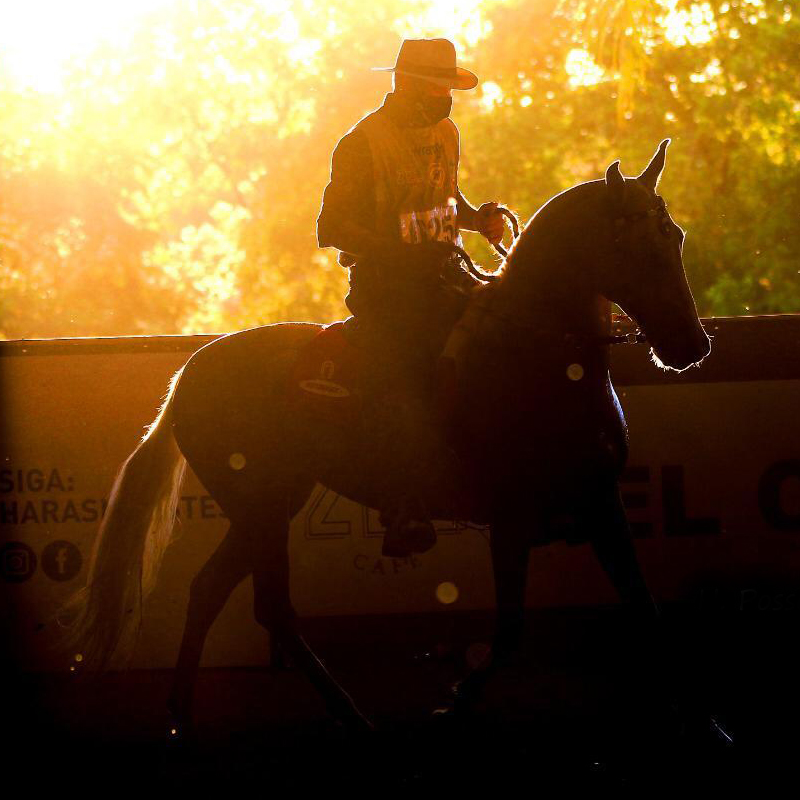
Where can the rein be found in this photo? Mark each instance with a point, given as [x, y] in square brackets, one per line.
[624, 338]
[575, 339]
[514, 229]
[479, 273]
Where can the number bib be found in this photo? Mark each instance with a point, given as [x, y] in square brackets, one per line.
[434, 225]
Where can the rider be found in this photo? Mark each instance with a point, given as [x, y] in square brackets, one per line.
[394, 183]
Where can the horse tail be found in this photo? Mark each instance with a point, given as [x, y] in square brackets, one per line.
[105, 616]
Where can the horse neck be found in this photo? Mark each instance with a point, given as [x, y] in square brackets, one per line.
[550, 284]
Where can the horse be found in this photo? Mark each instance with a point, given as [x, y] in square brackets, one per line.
[532, 344]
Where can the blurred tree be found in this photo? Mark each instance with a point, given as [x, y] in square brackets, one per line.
[720, 80]
[67, 254]
[174, 185]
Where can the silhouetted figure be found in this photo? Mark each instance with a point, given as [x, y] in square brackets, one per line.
[394, 181]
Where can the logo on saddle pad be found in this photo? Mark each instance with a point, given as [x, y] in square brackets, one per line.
[324, 384]
[325, 378]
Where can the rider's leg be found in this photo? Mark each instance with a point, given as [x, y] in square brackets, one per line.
[402, 327]
[407, 448]
[399, 431]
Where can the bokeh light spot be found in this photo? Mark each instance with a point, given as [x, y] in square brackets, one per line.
[237, 461]
[447, 593]
[574, 372]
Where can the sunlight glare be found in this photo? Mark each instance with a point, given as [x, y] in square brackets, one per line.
[460, 21]
[491, 95]
[694, 25]
[39, 37]
[582, 69]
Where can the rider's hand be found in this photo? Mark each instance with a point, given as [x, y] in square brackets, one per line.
[489, 222]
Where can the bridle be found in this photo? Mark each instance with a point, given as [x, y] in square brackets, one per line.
[660, 209]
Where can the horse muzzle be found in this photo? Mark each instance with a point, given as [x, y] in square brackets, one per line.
[679, 353]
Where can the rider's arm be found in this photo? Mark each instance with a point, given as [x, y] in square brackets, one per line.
[347, 217]
[466, 213]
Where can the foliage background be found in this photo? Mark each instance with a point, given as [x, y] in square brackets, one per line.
[172, 183]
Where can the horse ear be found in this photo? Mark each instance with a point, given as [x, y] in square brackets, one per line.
[653, 170]
[615, 183]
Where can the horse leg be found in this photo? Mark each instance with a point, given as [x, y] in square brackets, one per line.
[274, 611]
[604, 515]
[612, 543]
[510, 551]
[601, 512]
[212, 586]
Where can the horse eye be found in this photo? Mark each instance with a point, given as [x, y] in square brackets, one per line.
[665, 226]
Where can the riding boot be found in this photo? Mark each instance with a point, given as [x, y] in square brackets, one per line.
[408, 529]
[407, 454]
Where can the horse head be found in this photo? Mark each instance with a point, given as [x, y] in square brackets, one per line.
[644, 271]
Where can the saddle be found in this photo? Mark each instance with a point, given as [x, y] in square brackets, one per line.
[326, 380]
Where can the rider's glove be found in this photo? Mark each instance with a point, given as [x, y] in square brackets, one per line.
[490, 223]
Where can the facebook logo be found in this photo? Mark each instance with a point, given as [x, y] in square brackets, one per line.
[61, 560]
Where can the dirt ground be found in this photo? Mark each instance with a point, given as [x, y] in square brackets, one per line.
[577, 711]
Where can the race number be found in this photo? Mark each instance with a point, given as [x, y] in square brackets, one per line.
[435, 225]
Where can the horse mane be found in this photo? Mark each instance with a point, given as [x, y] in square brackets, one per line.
[522, 248]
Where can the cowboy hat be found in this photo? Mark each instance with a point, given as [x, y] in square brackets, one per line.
[434, 60]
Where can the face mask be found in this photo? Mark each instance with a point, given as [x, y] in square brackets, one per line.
[432, 108]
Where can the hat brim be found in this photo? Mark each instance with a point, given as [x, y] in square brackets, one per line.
[463, 78]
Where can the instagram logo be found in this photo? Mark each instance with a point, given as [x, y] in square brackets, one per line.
[17, 562]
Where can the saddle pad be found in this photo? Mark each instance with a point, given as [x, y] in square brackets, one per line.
[324, 381]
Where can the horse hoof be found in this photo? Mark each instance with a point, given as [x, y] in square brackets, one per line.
[179, 734]
[447, 715]
[719, 733]
[445, 719]
[180, 738]
[702, 728]
[179, 749]
[457, 707]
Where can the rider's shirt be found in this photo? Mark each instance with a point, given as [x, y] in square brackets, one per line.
[415, 172]
[397, 180]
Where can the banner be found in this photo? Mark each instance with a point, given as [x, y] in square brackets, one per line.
[712, 491]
